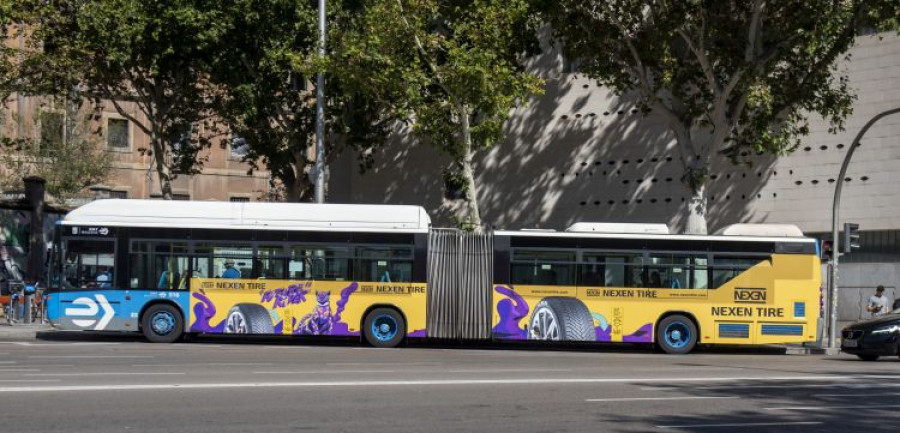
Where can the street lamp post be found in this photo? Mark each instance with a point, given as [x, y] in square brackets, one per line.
[833, 346]
[320, 113]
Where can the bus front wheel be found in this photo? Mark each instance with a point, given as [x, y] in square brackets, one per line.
[384, 327]
[676, 334]
[162, 323]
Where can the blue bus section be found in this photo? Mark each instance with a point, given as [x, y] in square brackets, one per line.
[108, 310]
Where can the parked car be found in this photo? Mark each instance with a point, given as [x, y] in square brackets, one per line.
[871, 339]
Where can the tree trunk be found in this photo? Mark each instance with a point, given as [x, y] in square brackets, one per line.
[473, 214]
[297, 186]
[162, 166]
[697, 207]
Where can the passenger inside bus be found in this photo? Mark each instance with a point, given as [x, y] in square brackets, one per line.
[230, 270]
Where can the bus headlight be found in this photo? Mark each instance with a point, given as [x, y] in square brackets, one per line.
[886, 330]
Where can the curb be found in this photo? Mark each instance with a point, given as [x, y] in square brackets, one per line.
[23, 332]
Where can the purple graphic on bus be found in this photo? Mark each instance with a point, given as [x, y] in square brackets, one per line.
[644, 334]
[512, 310]
[203, 313]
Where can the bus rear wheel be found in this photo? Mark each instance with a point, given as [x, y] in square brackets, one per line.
[676, 334]
[384, 327]
[162, 323]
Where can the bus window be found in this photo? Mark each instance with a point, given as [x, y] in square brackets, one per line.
[89, 264]
[388, 264]
[161, 265]
[543, 267]
[270, 263]
[610, 270]
[672, 271]
[726, 268]
[313, 262]
[226, 260]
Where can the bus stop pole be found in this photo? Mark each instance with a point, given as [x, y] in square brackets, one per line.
[833, 342]
[320, 114]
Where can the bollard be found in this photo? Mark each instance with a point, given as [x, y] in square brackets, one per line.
[26, 310]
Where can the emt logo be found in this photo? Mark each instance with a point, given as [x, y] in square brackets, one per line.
[87, 307]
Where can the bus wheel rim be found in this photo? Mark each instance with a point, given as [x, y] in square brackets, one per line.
[544, 325]
[677, 335]
[235, 324]
[162, 323]
[384, 328]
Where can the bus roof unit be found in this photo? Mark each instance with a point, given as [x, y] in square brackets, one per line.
[262, 215]
[763, 230]
[621, 228]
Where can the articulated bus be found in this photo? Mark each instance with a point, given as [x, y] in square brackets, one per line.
[383, 274]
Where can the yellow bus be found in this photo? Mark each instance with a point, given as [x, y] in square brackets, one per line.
[383, 274]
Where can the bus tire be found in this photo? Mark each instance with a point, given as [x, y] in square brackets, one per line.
[676, 334]
[868, 357]
[561, 319]
[384, 327]
[162, 323]
[248, 319]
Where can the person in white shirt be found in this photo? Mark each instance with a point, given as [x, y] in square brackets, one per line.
[878, 303]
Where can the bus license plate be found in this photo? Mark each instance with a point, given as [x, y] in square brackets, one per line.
[850, 343]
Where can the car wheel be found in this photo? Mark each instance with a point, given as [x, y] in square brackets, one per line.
[868, 357]
[162, 323]
[561, 319]
[384, 327]
[676, 334]
[248, 319]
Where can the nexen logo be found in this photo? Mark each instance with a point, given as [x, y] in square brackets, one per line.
[750, 296]
[87, 307]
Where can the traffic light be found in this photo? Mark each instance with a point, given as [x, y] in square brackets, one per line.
[851, 238]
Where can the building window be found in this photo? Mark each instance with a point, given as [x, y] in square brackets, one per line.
[238, 147]
[118, 194]
[117, 133]
[239, 199]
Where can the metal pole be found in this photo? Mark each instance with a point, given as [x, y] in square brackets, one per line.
[835, 245]
[320, 113]
[20, 97]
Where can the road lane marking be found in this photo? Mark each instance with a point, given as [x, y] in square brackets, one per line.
[6, 362]
[751, 424]
[857, 395]
[749, 386]
[610, 400]
[99, 374]
[507, 370]
[442, 382]
[207, 364]
[392, 364]
[90, 356]
[29, 380]
[324, 372]
[14, 370]
[813, 408]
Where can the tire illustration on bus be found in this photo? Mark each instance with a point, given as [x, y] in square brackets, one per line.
[561, 319]
[249, 319]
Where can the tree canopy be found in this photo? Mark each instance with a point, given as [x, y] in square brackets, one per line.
[461, 63]
[148, 59]
[730, 77]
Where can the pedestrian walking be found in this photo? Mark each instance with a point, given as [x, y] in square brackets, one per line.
[878, 303]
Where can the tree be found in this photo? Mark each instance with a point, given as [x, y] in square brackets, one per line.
[68, 154]
[264, 75]
[149, 59]
[461, 63]
[729, 77]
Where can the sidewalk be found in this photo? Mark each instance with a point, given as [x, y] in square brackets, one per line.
[21, 332]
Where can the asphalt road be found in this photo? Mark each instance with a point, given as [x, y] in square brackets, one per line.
[224, 385]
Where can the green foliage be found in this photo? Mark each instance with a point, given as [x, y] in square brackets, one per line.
[265, 70]
[147, 58]
[747, 73]
[459, 65]
[68, 155]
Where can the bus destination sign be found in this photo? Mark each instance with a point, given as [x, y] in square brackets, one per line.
[91, 231]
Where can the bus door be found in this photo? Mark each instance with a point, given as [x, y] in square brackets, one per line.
[89, 298]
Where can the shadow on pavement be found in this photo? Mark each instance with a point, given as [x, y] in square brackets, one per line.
[416, 343]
